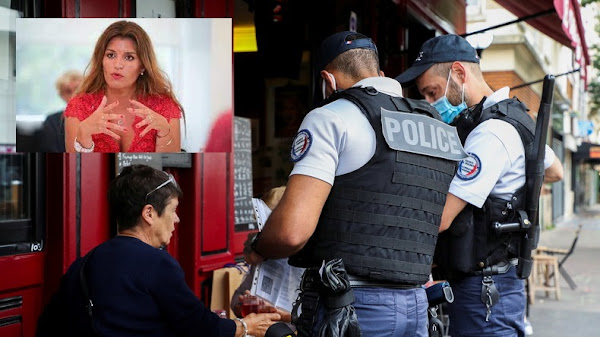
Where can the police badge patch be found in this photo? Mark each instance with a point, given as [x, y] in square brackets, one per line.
[469, 167]
[301, 145]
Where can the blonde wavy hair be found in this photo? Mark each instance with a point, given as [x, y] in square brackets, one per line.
[153, 82]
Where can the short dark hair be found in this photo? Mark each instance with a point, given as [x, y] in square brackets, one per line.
[355, 62]
[127, 194]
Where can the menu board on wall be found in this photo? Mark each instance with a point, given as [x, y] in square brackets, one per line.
[153, 160]
[242, 175]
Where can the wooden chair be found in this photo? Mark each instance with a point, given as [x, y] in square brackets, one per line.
[544, 277]
[545, 266]
[566, 253]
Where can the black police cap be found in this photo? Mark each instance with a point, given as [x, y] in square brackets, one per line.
[440, 49]
[340, 42]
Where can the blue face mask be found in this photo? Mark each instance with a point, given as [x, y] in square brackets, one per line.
[445, 108]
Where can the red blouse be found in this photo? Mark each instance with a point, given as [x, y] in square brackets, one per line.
[83, 105]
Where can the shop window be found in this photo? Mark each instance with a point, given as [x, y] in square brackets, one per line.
[21, 204]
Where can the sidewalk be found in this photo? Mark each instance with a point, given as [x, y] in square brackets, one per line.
[578, 311]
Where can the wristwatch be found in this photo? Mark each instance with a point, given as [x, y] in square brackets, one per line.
[82, 149]
[253, 244]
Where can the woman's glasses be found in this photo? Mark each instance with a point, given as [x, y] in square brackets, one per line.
[170, 180]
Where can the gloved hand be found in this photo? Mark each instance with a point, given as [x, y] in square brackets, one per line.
[340, 319]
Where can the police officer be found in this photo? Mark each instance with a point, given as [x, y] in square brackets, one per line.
[368, 186]
[488, 186]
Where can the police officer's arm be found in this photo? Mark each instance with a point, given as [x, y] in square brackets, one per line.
[294, 219]
[553, 173]
[452, 207]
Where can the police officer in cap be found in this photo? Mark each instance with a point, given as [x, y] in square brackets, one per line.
[489, 298]
[365, 191]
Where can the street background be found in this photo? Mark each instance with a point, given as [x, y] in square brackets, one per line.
[578, 311]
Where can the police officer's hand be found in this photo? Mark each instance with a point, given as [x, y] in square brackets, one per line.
[248, 242]
[249, 254]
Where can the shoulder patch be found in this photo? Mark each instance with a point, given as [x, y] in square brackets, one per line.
[301, 145]
[469, 168]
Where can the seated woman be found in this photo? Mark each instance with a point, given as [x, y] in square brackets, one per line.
[125, 103]
[136, 288]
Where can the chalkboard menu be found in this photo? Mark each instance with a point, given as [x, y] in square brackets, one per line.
[242, 175]
[153, 160]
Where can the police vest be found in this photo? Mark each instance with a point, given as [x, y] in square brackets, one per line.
[471, 243]
[383, 219]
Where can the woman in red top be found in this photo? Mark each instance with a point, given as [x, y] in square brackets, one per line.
[125, 103]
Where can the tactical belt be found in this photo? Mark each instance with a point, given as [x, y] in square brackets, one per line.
[499, 268]
[363, 282]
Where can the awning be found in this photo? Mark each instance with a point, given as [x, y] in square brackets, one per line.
[588, 152]
[564, 26]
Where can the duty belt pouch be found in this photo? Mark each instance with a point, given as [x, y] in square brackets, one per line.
[461, 241]
[439, 293]
[498, 245]
[484, 236]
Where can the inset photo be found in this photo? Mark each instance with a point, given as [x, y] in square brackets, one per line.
[124, 85]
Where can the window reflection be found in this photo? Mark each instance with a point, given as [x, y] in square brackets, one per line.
[7, 78]
[14, 203]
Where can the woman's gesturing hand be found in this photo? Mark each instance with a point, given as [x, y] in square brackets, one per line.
[150, 119]
[100, 121]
